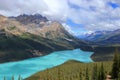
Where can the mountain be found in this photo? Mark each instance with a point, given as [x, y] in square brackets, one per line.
[96, 35]
[103, 37]
[93, 36]
[103, 44]
[112, 37]
[27, 19]
[38, 25]
[27, 40]
[20, 40]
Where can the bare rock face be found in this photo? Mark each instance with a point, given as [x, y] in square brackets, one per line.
[26, 36]
[2, 18]
[34, 24]
[28, 19]
[38, 25]
[53, 31]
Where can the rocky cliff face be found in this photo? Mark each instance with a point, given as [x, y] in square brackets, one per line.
[38, 25]
[29, 19]
[20, 40]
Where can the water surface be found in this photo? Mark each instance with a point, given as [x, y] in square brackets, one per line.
[28, 67]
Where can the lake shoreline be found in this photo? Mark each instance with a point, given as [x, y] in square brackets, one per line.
[33, 65]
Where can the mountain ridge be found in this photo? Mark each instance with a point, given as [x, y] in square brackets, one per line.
[104, 37]
[21, 41]
[42, 40]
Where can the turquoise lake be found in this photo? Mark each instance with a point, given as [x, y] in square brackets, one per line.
[28, 67]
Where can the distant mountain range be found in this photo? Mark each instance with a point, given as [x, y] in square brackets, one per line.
[103, 37]
[28, 36]
[102, 43]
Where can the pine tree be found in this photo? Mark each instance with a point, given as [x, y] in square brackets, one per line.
[59, 74]
[115, 67]
[94, 73]
[119, 66]
[102, 72]
[47, 74]
[80, 75]
[99, 75]
[86, 74]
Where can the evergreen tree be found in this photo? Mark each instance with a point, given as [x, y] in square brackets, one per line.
[102, 72]
[86, 74]
[119, 66]
[59, 74]
[94, 73]
[47, 74]
[99, 75]
[116, 66]
[80, 75]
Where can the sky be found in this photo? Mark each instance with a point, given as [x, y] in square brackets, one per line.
[77, 16]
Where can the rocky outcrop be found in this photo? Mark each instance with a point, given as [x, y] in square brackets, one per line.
[20, 41]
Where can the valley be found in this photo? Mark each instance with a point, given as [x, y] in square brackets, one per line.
[32, 39]
[27, 43]
[28, 40]
[60, 40]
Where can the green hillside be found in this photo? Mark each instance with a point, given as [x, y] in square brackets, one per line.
[75, 70]
[71, 70]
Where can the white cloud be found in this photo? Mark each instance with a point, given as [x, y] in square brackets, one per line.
[68, 28]
[53, 9]
[94, 14]
[102, 17]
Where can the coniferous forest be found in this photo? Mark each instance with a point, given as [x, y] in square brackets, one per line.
[74, 70]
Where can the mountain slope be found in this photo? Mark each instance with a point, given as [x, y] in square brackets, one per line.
[96, 35]
[111, 38]
[28, 19]
[70, 70]
[15, 47]
[103, 44]
[104, 37]
[20, 41]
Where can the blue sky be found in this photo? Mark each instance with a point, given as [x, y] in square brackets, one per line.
[77, 28]
[79, 15]
[80, 28]
[113, 5]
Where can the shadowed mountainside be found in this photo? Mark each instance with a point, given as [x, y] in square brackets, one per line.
[31, 39]
[21, 41]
